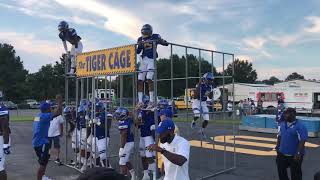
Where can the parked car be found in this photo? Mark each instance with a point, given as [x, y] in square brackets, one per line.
[10, 105]
[33, 104]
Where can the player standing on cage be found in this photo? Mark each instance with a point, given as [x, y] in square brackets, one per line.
[147, 129]
[125, 126]
[70, 35]
[145, 45]
[4, 139]
[204, 89]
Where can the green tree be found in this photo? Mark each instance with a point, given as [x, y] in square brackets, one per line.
[13, 74]
[49, 81]
[294, 76]
[179, 71]
[271, 81]
[243, 72]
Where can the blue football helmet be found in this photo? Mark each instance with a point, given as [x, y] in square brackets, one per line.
[63, 25]
[84, 102]
[208, 78]
[146, 30]
[99, 107]
[145, 100]
[121, 114]
[67, 110]
[81, 109]
[163, 103]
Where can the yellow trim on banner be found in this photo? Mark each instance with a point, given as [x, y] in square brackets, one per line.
[117, 60]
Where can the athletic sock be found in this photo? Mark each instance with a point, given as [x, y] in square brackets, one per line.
[151, 96]
[140, 95]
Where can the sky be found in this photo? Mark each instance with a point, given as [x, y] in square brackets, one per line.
[278, 37]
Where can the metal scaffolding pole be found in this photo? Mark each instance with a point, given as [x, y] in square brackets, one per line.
[155, 92]
[233, 117]
[121, 90]
[66, 97]
[223, 115]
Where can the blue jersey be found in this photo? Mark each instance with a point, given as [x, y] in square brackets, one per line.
[127, 125]
[204, 91]
[81, 122]
[147, 47]
[40, 127]
[100, 130]
[70, 35]
[148, 123]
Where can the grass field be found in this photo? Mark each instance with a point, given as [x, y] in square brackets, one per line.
[21, 118]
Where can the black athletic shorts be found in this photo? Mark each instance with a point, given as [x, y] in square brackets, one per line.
[43, 154]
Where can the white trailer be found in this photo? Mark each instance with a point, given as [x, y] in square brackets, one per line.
[300, 94]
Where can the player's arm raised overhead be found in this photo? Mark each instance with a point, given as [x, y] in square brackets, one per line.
[58, 110]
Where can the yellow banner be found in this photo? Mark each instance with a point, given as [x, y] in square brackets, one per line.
[106, 62]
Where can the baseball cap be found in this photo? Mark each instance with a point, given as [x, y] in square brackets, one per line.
[44, 106]
[165, 125]
[166, 112]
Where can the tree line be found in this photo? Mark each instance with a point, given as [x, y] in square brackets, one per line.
[17, 84]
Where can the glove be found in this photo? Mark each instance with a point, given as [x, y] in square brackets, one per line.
[6, 149]
[86, 117]
[121, 152]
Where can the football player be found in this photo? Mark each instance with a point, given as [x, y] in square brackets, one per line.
[147, 131]
[204, 89]
[146, 46]
[4, 139]
[125, 125]
[70, 35]
[100, 141]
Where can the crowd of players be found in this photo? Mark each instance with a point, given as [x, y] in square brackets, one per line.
[90, 136]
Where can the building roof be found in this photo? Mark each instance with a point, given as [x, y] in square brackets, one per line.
[299, 80]
[253, 85]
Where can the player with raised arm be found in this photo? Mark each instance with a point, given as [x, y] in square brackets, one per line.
[70, 35]
[204, 89]
[125, 126]
[40, 140]
[146, 46]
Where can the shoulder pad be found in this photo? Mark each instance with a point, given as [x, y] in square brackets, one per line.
[61, 35]
[72, 31]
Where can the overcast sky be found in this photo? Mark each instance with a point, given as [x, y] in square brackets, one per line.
[278, 37]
